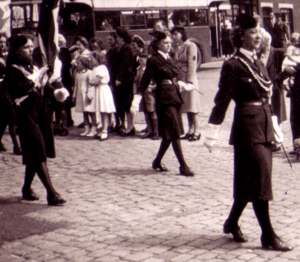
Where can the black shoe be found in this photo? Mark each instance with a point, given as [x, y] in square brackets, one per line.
[186, 136]
[2, 147]
[194, 137]
[81, 125]
[146, 135]
[274, 243]
[128, 133]
[235, 231]
[29, 195]
[155, 137]
[185, 171]
[55, 200]
[159, 167]
[17, 151]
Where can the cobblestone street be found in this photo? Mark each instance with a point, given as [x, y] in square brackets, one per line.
[119, 209]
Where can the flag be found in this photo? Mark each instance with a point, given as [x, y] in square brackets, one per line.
[48, 32]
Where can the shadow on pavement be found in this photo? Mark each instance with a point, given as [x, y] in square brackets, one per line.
[124, 172]
[197, 241]
[16, 223]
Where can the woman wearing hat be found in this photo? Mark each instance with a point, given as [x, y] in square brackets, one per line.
[162, 69]
[32, 116]
[244, 79]
[186, 60]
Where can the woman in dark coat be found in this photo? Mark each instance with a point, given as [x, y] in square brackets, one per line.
[7, 111]
[244, 79]
[162, 69]
[33, 119]
[124, 80]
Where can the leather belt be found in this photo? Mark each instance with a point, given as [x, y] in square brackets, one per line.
[264, 101]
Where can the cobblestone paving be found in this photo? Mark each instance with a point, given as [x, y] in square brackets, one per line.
[119, 209]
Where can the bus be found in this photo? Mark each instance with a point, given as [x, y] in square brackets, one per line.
[97, 18]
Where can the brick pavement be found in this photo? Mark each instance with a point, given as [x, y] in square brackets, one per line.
[120, 210]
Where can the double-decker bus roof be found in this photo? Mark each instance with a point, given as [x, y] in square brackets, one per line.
[146, 4]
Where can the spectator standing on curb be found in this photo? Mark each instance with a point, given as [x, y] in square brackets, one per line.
[7, 109]
[185, 54]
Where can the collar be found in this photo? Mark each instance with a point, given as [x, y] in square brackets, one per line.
[249, 54]
[164, 55]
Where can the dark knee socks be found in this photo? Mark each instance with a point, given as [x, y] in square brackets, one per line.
[178, 152]
[261, 209]
[164, 145]
[236, 211]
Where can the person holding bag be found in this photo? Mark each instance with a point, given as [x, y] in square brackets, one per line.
[244, 79]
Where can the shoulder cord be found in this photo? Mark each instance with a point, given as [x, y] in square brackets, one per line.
[264, 84]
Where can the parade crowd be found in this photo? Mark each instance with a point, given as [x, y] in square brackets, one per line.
[110, 85]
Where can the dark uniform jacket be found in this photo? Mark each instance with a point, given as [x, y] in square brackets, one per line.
[159, 69]
[251, 124]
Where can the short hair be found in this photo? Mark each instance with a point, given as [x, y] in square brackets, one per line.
[181, 30]
[139, 41]
[82, 40]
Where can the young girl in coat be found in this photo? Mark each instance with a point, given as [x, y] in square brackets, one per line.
[84, 94]
[99, 78]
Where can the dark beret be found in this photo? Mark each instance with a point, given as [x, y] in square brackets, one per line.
[245, 21]
[124, 34]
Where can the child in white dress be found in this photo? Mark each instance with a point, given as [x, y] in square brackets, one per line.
[99, 78]
[85, 94]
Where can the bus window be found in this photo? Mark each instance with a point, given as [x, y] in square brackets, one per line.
[107, 20]
[24, 17]
[133, 19]
[180, 17]
[198, 17]
[77, 20]
[151, 17]
[18, 17]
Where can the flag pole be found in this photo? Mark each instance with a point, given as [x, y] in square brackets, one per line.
[93, 17]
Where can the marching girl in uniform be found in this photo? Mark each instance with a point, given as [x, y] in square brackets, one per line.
[162, 69]
[244, 79]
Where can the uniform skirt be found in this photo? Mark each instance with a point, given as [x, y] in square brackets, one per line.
[35, 133]
[169, 122]
[252, 172]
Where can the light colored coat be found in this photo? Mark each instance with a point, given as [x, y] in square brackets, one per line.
[186, 60]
